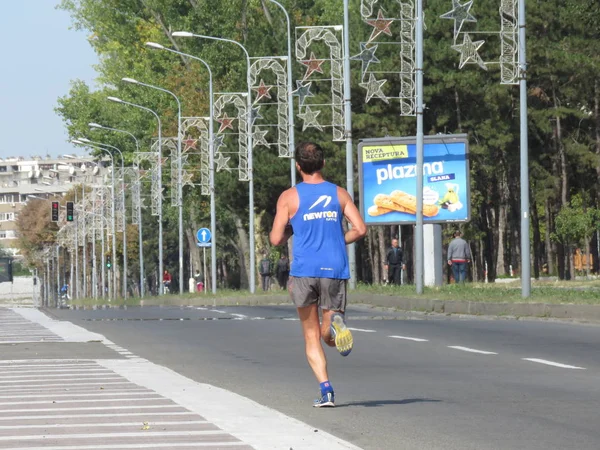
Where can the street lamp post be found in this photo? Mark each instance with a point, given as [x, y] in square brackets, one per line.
[179, 173]
[159, 169]
[250, 150]
[348, 133]
[213, 214]
[290, 94]
[124, 221]
[140, 232]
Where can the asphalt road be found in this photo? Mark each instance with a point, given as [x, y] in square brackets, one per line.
[411, 382]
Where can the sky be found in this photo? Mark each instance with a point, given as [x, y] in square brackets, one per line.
[41, 56]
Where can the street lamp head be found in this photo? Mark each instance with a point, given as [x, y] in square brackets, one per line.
[115, 99]
[129, 80]
[155, 45]
[95, 125]
[70, 156]
[182, 34]
[86, 140]
[76, 141]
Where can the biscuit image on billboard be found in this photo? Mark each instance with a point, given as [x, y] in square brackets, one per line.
[377, 211]
[401, 202]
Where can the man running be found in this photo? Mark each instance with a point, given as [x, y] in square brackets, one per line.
[313, 211]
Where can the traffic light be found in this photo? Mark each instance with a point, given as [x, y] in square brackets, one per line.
[69, 211]
[108, 262]
[55, 206]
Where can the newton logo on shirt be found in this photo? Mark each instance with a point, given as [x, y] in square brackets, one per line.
[324, 215]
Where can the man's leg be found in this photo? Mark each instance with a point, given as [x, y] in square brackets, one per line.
[456, 272]
[397, 269]
[309, 318]
[463, 272]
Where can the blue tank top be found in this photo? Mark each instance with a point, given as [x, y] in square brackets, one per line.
[319, 248]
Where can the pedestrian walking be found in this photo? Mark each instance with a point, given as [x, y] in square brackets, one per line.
[313, 211]
[283, 271]
[394, 263]
[265, 272]
[459, 255]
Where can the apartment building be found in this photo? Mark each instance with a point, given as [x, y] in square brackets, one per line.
[21, 178]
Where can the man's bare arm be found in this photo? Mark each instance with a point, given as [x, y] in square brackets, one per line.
[359, 229]
[281, 230]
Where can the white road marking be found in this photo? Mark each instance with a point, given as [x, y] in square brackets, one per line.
[91, 408]
[409, 338]
[75, 416]
[133, 446]
[241, 316]
[96, 425]
[364, 331]
[471, 350]
[290, 318]
[144, 434]
[84, 400]
[218, 311]
[552, 363]
[27, 386]
[201, 308]
[132, 392]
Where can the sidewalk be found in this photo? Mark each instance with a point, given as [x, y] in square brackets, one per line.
[113, 399]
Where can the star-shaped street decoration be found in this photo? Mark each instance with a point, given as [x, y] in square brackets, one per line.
[221, 162]
[184, 159]
[302, 91]
[255, 114]
[313, 65]
[373, 87]
[310, 119]
[187, 178]
[460, 14]
[259, 137]
[218, 142]
[225, 122]
[468, 52]
[380, 25]
[366, 56]
[142, 205]
[262, 91]
[189, 143]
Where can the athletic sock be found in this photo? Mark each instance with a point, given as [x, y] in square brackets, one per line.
[326, 387]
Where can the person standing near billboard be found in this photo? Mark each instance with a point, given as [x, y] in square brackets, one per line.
[459, 255]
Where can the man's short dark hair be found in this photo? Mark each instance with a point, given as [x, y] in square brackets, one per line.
[457, 233]
[309, 157]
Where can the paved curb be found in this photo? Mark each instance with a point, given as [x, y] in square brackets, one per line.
[544, 310]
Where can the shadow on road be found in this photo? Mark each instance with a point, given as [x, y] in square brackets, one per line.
[374, 403]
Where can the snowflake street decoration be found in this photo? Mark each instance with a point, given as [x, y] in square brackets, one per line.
[460, 14]
[274, 69]
[237, 105]
[469, 49]
[468, 52]
[402, 31]
[316, 39]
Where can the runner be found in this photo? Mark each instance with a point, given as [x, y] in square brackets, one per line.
[313, 211]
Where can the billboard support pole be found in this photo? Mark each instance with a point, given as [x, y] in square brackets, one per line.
[419, 251]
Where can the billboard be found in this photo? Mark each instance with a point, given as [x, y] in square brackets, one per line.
[388, 180]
